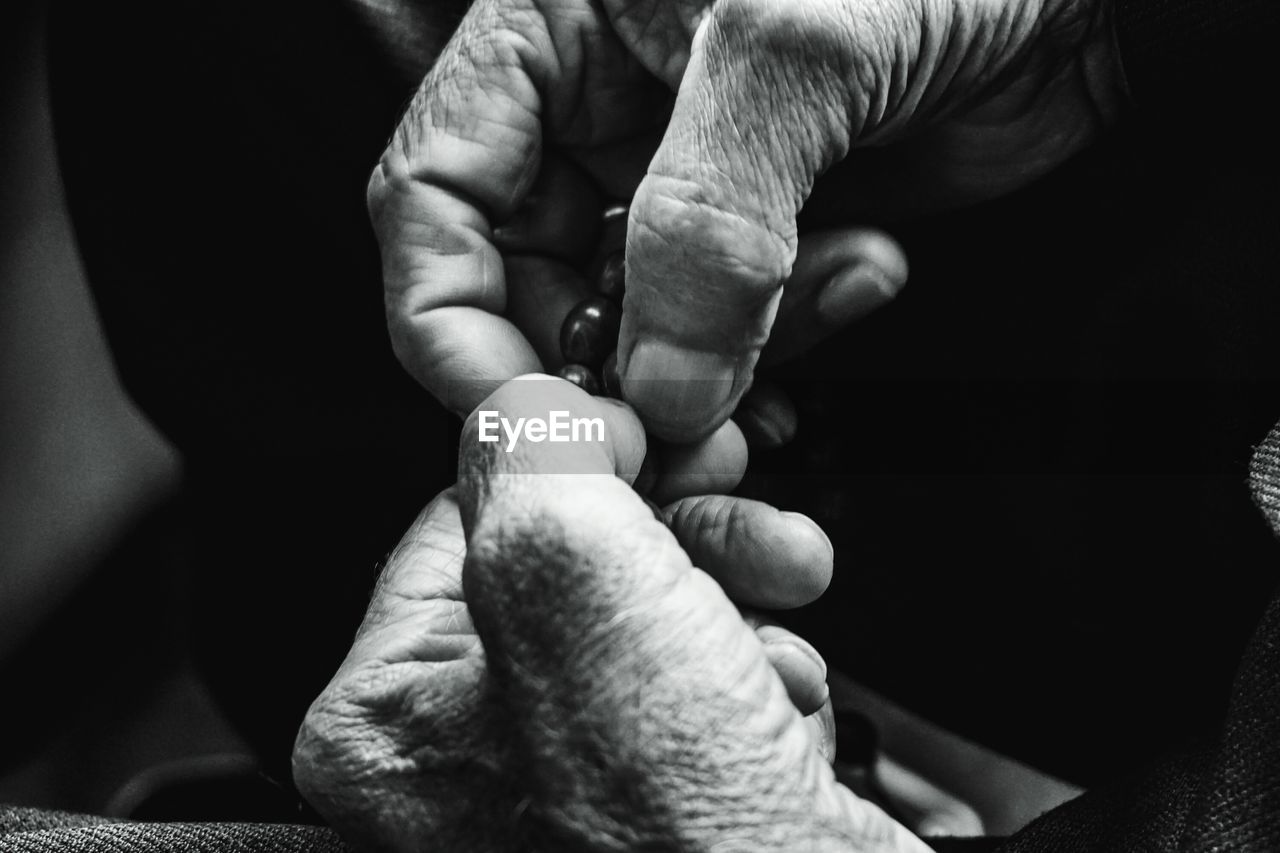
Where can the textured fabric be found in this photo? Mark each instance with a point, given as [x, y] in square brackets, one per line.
[24, 830]
[18, 819]
[1224, 795]
[1264, 478]
[1221, 797]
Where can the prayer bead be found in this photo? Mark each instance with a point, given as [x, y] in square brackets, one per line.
[590, 332]
[612, 281]
[582, 377]
[610, 380]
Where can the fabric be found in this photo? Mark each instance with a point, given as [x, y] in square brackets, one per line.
[24, 830]
[1223, 796]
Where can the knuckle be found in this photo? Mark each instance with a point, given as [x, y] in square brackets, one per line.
[357, 735]
[740, 21]
[678, 228]
[723, 524]
[818, 66]
[328, 755]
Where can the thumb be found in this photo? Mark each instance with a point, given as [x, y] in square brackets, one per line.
[772, 97]
[646, 714]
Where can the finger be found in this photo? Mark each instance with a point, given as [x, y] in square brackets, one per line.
[660, 33]
[542, 426]
[444, 290]
[541, 293]
[559, 218]
[643, 703]
[766, 416]
[464, 157]
[714, 465]
[379, 750]
[713, 226]
[417, 611]
[762, 557]
[798, 664]
[839, 276]
[822, 724]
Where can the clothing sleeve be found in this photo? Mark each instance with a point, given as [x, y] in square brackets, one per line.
[1198, 54]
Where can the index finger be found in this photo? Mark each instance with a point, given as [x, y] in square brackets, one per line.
[467, 150]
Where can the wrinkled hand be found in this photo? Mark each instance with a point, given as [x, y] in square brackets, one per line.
[950, 101]
[947, 102]
[487, 203]
[592, 690]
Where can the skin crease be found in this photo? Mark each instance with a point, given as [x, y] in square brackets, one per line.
[453, 712]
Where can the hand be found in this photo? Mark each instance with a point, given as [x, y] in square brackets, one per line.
[929, 103]
[487, 202]
[594, 691]
[948, 101]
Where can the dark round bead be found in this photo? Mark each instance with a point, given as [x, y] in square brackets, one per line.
[616, 212]
[612, 281]
[610, 379]
[590, 332]
[581, 376]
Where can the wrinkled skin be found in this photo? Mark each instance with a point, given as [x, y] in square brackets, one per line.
[595, 690]
[592, 690]
[928, 103]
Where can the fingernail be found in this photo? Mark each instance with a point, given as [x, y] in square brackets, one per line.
[795, 667]
[801, 647]
[856, 292]
[681, 394]
[813, 525]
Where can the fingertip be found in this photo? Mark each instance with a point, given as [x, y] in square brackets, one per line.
[855, 292]
[541, 424]
[800, 521]
[814, 552]
[682, 395]
[712, 466]
[802, 671]
[760, 556]
[886, 253]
